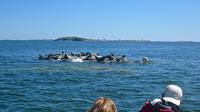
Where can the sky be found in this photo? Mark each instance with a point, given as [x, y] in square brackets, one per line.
[156, 20]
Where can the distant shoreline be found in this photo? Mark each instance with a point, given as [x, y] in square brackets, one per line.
[75, 38]
[110, 41]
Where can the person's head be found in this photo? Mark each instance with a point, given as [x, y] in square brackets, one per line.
[103, 104]
[173, 94]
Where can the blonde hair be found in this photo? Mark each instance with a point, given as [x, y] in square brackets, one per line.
[103, 105]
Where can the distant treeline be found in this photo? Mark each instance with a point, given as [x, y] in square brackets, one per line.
[74, 38]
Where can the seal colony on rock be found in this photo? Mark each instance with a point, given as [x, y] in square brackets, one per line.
[84, 57]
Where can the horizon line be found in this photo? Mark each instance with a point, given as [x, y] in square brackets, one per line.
[104, 40]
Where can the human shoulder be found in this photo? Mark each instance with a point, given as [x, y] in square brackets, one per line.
[155, 101]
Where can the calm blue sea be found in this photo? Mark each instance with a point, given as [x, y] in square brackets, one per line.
[31, 85]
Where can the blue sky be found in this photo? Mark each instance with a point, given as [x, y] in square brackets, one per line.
[162, 20]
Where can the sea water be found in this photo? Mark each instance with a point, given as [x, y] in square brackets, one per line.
[31, 85]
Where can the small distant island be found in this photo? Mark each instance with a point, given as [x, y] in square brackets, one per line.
[73, 38]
